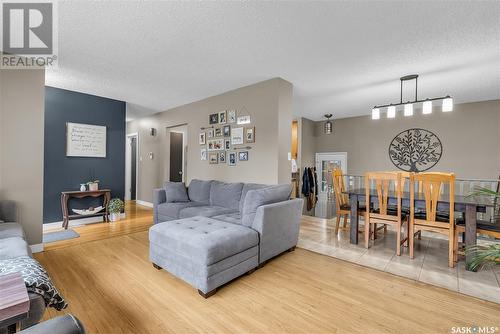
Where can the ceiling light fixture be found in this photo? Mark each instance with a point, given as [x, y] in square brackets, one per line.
[447, 105]
[328, 127]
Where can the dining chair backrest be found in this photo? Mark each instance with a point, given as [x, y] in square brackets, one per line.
[432, 185]
[341, 198]
[383, 182]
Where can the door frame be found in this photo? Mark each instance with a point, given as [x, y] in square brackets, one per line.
[128, 166]
[319, 170]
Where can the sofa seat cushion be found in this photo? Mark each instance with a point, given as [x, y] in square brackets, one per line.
[199, 191]
[203, 240]
[233, 218]
[12, 248]
[173, 209]
[9, 230]
[227, 195]
[205, 211]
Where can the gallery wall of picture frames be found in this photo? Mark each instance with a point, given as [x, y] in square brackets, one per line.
[221, 141]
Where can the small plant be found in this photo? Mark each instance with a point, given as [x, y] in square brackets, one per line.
[91, 182]
[116, 205]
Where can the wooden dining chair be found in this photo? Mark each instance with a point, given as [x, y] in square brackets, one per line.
[432, 220]
[384, 214]
[341, 199]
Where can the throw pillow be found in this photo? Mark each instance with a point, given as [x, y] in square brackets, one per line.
[176, 192]
[259, 197]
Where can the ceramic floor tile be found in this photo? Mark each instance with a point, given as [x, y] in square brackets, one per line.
[404, 266]
[378, 259]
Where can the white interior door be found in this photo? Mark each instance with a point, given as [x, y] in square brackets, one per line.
[325, 164]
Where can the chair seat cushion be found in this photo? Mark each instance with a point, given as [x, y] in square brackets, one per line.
[173, 209]
[205, 211]
[348, 207]
[481, 225]
[203, 240]
[233, 218]
[440, 216]
[9, 230]
[12, 248]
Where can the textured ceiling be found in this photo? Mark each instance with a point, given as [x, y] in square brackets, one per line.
[342, 57]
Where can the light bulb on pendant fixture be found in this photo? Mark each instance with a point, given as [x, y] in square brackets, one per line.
[427, 107]
[328, 126]
[375, 113]
[447, 104]
[408, 109]
[391, 112]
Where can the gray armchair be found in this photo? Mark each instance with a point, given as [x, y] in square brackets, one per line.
[66, 324]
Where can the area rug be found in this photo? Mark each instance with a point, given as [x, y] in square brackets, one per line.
[59, 235]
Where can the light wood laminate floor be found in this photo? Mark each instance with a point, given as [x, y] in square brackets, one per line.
[113, 288]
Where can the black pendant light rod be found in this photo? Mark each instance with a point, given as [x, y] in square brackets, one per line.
[406, 78]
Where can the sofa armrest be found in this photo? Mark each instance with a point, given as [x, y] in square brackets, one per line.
[159, 197]
[8, 211]
[66, 324]
[278, 225]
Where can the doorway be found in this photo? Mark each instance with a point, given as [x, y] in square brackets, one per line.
[177, 146]
[131, 154]
[325, 164]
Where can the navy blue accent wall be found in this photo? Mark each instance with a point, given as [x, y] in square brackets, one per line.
[62, 173]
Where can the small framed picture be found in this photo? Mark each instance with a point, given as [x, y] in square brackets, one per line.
[222, 157]
[213, 118]
[243, 120]
[218, 132]
[227, 144]
[250, 135]
[210, 133]
[215, 144]
[226, 130]
[222, 117]
[237, 136]
[203, 154]
[231, 116]
[203, 138]
[243, 156]
[231, 158]
[213, 158]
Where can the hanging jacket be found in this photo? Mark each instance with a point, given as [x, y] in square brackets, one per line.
[306, 185]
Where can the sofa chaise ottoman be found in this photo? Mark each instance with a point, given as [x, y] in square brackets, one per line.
[221, 231]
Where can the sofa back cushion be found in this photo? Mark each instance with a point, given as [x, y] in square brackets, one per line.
[258, 197]
[246, 188]
[199, 191]
[227, 195]
[176, 192]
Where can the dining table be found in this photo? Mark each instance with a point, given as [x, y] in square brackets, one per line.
[467, 206]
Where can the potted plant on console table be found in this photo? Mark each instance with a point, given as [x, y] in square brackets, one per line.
[115, 208]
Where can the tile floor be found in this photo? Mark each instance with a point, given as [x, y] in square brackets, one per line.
[430, 264]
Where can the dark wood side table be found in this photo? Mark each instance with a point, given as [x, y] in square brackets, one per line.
[14, 301]
[66, 195]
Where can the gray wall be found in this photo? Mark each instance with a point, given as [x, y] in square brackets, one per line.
[21, 146]
[307, 143]
[470, 136]
[269, 105]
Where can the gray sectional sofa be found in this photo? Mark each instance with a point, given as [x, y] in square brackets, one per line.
[213, 232]
[12, 245]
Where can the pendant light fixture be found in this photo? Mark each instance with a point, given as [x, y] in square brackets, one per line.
[447, 104]
[328, 126]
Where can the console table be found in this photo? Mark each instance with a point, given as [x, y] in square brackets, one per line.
[66, 195]
[14, 301]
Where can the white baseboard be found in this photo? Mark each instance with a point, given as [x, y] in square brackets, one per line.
[36, 248]
[76, 222]
[144, 203]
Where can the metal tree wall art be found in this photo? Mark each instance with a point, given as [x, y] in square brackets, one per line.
[415, 150]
